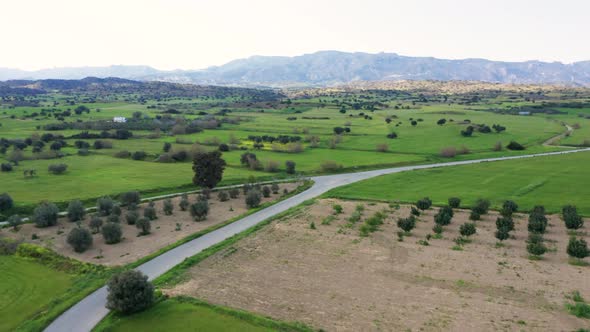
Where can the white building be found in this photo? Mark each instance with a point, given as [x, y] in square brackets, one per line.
[120, 119]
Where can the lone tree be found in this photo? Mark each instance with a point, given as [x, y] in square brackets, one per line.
[76, 211]
[80, 239]
[208, 168]
[130, 292]
[577, 248]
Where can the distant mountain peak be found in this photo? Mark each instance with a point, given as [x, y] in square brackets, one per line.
[330, 67]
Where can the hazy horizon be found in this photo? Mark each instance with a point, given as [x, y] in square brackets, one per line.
[180, 34]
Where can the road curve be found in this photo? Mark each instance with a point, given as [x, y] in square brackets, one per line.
[84, 315]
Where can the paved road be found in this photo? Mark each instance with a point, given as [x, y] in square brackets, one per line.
[86, 314]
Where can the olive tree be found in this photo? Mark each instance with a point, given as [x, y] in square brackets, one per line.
[112, 233]
[129, 292]
[199, 210]
[76, 211]
[45, 215]
[80, 239]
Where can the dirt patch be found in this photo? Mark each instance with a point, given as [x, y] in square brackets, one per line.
[331, 278]
[164, 231]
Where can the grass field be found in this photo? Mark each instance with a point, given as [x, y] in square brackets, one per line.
[184, 314]
[26, 287]
[101, 173]
[551, 181]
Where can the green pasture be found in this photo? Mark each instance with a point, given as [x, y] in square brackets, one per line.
[26, 287]
[552, 181]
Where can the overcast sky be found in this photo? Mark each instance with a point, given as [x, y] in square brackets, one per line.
[170, 34]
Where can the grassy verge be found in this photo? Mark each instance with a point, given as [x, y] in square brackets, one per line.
[189, 314]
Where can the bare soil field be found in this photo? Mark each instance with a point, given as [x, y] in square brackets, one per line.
[164, 230]
[331, 278]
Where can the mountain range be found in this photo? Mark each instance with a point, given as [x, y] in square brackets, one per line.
[328, 68]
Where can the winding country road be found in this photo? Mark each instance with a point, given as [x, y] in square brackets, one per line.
[84, 315]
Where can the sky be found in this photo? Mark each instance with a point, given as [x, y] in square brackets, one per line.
[183, 34]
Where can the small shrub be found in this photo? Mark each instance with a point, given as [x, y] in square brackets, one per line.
[6, 167]
[76, 211]
[312, 225]
[168, 207]
[112, 233]
[407, 224]
[515, 146]
[149, 212]
[437, 229]
[223, 196]
[144, 226]
[266, 191]
[129, 292]
[577, 248]
[95, 224]
[505, 223]
[467, 229]
[502, 234]
[104, 206]
[290, 167]
[253, 198]
[508, 208]
[424, 203]
[415, 212]
[199, 210]
[57, 169]
[330, 166]
[454, 202]
[275, 188]
[448, 152]
[474, 216]
[14, 221]
[80, 239]
[138, 155]
[571, 217]
[337, 208]
[130, 197]
[113, 218]
[131, 217]
[184, 203]
[536, 248]
[481, 206]
[234, 193]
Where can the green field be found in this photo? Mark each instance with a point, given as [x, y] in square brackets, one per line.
[101, 173]
[26, 287]
[551, 181]
[184, 314]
